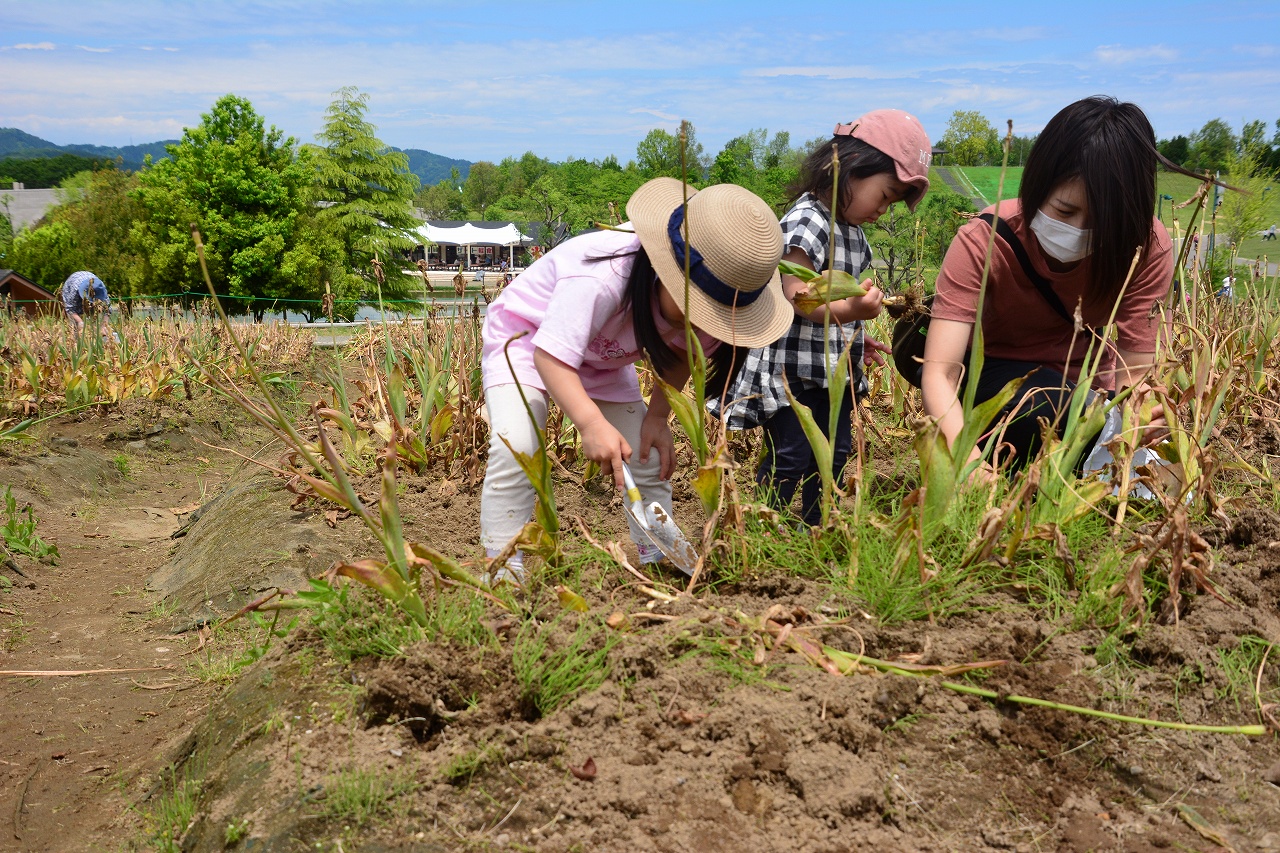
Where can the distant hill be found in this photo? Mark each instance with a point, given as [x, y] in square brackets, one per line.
[18, 143]
[433, 168]
[430, 168]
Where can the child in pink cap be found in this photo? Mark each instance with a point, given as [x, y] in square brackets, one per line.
[884, 158]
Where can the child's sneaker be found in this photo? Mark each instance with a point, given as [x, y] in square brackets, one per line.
[509, 571]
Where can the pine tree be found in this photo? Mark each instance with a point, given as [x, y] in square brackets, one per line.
[365, 191]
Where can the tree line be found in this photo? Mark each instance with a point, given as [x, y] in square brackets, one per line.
[285, 222]
[971, 140]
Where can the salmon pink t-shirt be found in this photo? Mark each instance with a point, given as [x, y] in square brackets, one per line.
[572, 308]
[1019, 324]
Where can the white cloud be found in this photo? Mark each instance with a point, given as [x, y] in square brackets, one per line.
[1010, 34]
[1114, 54]
[39, 45]
[828, 72]
[655, 113]
[93, 49]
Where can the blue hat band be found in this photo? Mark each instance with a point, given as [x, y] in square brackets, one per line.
[700, 274]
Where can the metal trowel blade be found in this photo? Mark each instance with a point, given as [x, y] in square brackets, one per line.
[667, 535]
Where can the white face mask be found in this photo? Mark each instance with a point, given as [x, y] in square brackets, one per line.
[1060, 241]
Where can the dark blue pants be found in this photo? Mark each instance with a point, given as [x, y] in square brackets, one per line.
[789, 462]
[1044, 394]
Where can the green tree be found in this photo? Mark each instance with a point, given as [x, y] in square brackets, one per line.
[1212, 146]
[365, 192]
[1176, 150]
[658, 154]
[484, 186]
[732, 164]
[441, 201]
[969, 139]
[245, 188]
[45, 172]
[1019, 148]
[1243, 213]
[102, 212]
[1253, 140]
[6, 230]
[45, 255]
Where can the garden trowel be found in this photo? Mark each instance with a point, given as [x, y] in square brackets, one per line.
[659, 528]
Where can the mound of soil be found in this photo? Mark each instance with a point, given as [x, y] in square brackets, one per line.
[244, 541]
[675, 752]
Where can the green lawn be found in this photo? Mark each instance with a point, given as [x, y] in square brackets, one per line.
[986, 180]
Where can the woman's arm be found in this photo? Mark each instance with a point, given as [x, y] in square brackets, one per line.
[944, 365]
[1132, 369]
[601, 442]
[842, 310]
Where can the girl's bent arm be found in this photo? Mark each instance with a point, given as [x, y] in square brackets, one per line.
[601, 442]
[655, 433]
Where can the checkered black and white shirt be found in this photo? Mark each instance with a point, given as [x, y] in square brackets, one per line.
[797, 358]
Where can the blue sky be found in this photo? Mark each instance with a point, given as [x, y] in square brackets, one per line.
[485, 80]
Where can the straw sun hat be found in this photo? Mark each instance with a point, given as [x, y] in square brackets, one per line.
[735, 244]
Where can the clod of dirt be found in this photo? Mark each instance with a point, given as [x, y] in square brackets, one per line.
[1254, 526]
[434, 685]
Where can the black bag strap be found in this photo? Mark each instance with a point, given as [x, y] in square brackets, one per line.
[1042, 284]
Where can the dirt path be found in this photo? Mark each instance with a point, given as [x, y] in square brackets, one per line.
[77, 752]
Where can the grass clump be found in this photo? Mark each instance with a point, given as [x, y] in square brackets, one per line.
[355, 623]
[355, 797]
[19, 530]
[1240, 666]
[550, 677]
[171, 814]
[461, 768]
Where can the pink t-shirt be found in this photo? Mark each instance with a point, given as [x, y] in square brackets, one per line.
[1018, 324]
[572, 308]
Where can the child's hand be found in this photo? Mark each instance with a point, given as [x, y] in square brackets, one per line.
[605, 445]
[871, 349]
[656, 434]
[866, 307]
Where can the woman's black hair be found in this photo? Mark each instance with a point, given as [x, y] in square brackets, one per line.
[640, 296]
[1111, 147]
[857, 160]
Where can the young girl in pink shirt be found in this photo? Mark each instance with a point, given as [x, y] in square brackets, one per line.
[594, 306]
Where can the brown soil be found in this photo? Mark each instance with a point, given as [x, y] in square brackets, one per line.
[690, 750]
[77, 753]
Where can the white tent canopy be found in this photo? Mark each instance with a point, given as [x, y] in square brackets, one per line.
[472, 235]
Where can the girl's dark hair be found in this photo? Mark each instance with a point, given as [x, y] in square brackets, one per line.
[640, 296]
[857, 160]
[1111, 147]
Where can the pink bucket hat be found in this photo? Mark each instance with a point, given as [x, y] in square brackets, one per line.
[901, 136]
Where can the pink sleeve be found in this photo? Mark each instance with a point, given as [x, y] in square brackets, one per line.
[1137, 324]
[578, 309]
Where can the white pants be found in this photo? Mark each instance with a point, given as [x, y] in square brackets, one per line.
[506, 504]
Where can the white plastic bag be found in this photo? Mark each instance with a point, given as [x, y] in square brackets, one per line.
[1100, 457]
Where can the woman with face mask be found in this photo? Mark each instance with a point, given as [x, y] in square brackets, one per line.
[1085, 206]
